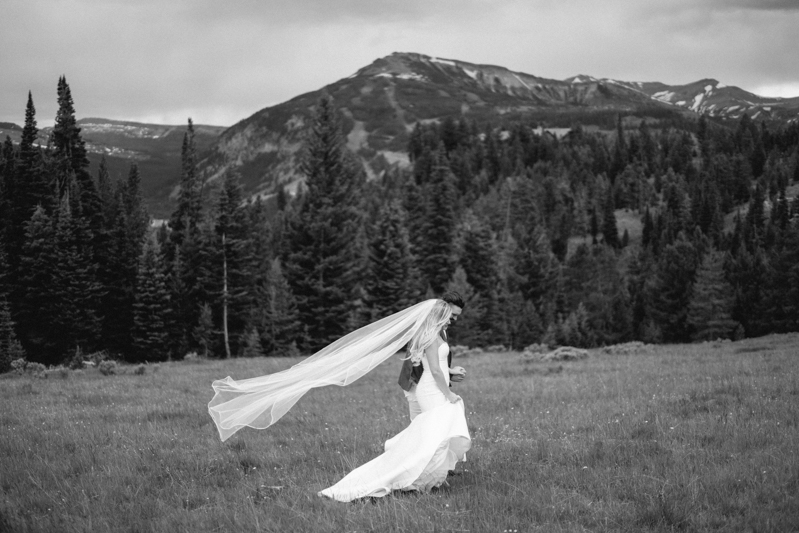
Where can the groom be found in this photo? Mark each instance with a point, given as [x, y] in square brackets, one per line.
[409, 375]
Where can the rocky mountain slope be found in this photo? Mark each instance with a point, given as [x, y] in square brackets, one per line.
[715, 99]
[383, 101]
[154, 148]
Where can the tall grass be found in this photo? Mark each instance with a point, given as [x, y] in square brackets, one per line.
[683, 438]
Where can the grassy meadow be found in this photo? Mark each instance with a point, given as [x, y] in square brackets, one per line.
[673, 438]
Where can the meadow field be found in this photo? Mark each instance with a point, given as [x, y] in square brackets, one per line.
[670, 438]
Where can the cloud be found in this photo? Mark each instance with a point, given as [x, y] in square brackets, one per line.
[221, 62]
[771, 5]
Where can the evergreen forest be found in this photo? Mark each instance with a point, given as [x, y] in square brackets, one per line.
[524, 224]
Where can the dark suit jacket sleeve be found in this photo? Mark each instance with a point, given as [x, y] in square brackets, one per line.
[404, 380]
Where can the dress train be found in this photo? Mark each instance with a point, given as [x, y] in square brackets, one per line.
[419, 457]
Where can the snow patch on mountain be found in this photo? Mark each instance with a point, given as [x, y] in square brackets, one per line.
[124, 129]
[402, 76]
[698, 99]
[664, 96]
[521, 80]
[443, 61]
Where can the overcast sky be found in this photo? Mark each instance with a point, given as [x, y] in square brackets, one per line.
[217, 62]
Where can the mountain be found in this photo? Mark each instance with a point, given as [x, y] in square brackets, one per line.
[380, 105]
[715, 99]
[382, 102]
[154, 148]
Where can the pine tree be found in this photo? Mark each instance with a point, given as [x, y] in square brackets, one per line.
[252, 344]
[151, 307]
[194, 262]
[105, 191]
[468, 331]
[72, 162]
[755, 215]
[189, 252]
[29, 186]
[76, 291]
[478, 259]
[639, 271]
[279, 324]
[136, 217]
[37, 264]
[648, 148]
[203, 276]
[392, 284]
[323, 264]
[710, 307]
[669, 293]
[781, 298]
[124, 229]
[10, 347]
[237, 280]
[619, 160]
[187, 215]
[530, 327]
[59, 310]
[181, 331]
[7, 175]
[204, 332]
[538, 269]
[610, 231]
[574, 330]
[435, 253]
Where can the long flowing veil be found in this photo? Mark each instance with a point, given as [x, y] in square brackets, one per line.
[262, 401]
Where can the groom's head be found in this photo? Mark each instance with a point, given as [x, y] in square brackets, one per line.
[456, 302]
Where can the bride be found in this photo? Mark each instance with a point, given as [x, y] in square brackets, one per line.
[419, 457]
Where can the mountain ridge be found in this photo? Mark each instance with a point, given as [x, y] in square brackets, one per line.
[155, 148]
[381, 103]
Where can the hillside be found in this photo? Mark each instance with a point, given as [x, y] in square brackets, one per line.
[380, 105]
[383, 101]
[154, 148]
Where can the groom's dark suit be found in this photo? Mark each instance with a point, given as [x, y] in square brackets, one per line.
[409, 374]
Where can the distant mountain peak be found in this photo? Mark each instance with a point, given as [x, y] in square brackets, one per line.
[432, 69]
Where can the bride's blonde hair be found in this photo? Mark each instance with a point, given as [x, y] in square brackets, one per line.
[432, 325]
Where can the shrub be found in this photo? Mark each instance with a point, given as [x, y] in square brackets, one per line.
[36, 370]
[496, 348]
[97, 357]
[76, 361]
[140, 370]
[536, 348]
[18, 365]
[563, 353]
[60, 371]
[632, 347]
[108, 368]
[10, 351]
[80, 360]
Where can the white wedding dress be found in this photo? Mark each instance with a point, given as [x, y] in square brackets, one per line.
[419, 457]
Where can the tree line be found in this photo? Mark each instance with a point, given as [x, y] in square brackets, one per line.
[524, 225]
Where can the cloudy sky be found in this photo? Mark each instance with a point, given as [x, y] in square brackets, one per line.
[163, 61]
